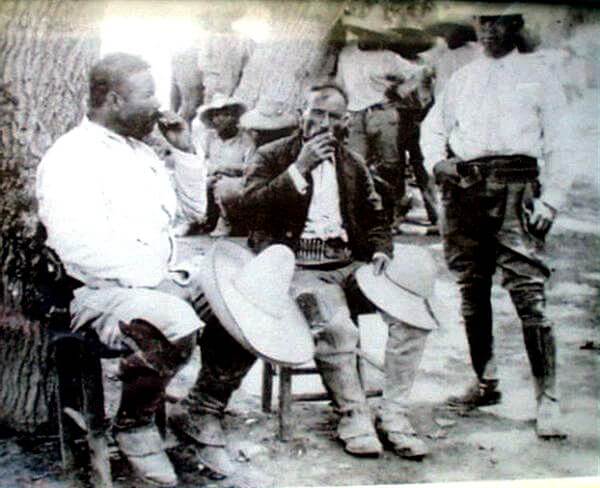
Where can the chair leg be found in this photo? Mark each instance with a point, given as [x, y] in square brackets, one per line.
[93, 408]
[67, 396]
[267, 386]
[161, 419]
[285, 403]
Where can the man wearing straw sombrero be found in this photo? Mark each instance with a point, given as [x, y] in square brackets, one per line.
[495, 142]
[226, 149]
[308, 192]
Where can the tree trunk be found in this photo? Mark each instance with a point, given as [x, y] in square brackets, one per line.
[298, 51]
[47, 48]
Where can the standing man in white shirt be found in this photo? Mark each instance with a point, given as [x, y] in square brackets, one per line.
[495, 141]
[366, 70]
[107, 204]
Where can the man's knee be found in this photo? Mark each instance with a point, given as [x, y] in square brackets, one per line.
[339, 335]
[174, 317]
[530, 303]
[152, 350]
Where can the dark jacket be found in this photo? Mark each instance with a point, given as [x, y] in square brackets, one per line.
[277, 212]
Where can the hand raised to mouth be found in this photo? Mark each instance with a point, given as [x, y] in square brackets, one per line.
[175, 130]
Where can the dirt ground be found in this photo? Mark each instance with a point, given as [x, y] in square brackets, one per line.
[487, 444]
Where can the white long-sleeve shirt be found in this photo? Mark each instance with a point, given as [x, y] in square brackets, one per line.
[507, 106]
[107, 204]
[363, 74]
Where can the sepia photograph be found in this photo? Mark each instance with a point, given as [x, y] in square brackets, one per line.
[302, 243]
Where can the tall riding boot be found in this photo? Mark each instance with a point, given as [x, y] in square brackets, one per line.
[145, 374]
[476, 309]
[197, 418]
[541, 350]
[403, 353]
[336, 360]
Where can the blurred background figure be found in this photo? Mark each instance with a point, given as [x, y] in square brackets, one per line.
[267, 122]
[225, 148]
[368, 69]
[223, 53]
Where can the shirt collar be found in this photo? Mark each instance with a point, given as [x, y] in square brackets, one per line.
[106, 132]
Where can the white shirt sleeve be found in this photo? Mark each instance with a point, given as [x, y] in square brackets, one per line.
[434, 134]
[190, 177]
[556, 154]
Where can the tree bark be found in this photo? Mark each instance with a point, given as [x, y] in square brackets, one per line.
[47, 48]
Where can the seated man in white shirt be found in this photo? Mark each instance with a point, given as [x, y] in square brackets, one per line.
[495, 141]
[107, 204]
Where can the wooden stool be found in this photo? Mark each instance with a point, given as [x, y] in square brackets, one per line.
[287, 397]
[80, 401]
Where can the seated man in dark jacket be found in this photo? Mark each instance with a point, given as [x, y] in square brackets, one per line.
[311, 193]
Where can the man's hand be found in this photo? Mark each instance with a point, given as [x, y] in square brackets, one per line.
[176, 131]
[540, 217]
[445, 171]
[169, 286]
[314, 151]
[380, 263]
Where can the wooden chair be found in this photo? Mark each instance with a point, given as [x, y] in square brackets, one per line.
[287, 397]
[80, 402]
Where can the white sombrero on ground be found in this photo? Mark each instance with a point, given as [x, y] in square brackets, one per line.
[250, 296]
[405, 288]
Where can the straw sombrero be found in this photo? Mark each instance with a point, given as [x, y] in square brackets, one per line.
[250, 296]
[405, 288]
[268, 115]
[219, 101]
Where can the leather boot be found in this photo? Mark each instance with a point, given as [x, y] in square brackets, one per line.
[203, 429]
[476, 310]
[541, 349]
[403, 353]
[197, 418]
[145, 374]
[530, 302]
[484, 392]
[336, 361]
[135, 431]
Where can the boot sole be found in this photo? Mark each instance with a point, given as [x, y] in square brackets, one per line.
[403, 453]
[551, 435]
[368, 454]
[494, 400]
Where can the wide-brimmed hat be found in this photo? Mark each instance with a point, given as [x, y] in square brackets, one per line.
[268, 114]
[374, 21]
[405, 288]
[408, 41]
[250, 296]
[456, 34]
[219, 101]
[512, 20]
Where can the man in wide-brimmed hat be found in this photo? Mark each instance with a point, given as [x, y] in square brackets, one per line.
[226, 149]
[267, 121]
[309, 192]
[495, 142]
[367, 69]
